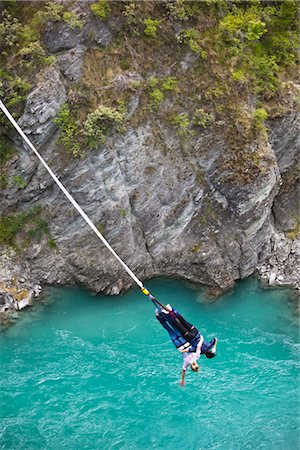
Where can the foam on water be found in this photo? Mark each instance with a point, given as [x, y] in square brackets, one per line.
[97, 372]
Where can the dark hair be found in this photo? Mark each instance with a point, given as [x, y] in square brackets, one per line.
[210, 354]
[195, 370]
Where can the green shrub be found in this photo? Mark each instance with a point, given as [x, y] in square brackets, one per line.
[19, 182]
[6, 150]
[202, 118]
[151, 26]
[38, 227]
[182, 123]
[259, 40]
[13, 90]
[239, 76]
[99, 122]
[259, 116]
[101, 9]
[212, 93]
[240, 24]
[264, 73]
[158, 87]
[169, 84]
[52, 243]
[53, 12]
[56, 12]
[69, 130]
[10, 32]
[190, 37]
[183, 9]
[130, 12]
[3, 181]
[10, 227]
[13, 224]
[35, 54]
[135, 85]
[152, 82]
[72, 20]
[156, 97]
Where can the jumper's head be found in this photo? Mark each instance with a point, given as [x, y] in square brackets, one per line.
[195, 367]
[210, 354]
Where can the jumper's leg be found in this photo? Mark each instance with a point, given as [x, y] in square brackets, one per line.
[174, 333]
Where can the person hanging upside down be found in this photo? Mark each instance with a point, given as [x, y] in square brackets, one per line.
[186, 338]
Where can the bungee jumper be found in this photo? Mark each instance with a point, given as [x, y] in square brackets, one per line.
[186, 338]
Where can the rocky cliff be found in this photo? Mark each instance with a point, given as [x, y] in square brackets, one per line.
[211, 202]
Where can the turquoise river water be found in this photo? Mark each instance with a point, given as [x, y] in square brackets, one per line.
[94, 372]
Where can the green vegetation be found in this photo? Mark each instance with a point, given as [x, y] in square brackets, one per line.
[19, 182]
[196, 248]
[240, 25]
[22, 51]
[72, 20]
[183, 9]
[293, 234]
[101, 228]
[151, 26]
[6, 151]
[198, 62]
[52, 243]
[156, 98]
[101, 9]
[13, 91]
[56, 12]
[169, 84]
[52, 12]
[69, 130]
[202, 118]
[259, 40]
[259, 116]
[75, 135]
[10, 32]
[158, 88]
[29, 222]
[35, 54]
[99, 122]
[191, 38]
[182, 124]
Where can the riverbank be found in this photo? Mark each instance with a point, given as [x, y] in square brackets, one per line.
[20, 290]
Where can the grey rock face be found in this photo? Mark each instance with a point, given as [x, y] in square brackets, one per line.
[16, 292]
[153, 211]
[286, 209]
[60, 37]
[280, 265]
[70, 63]
[161, 203]
[285, 140]
[42, 106]
[283, 267]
